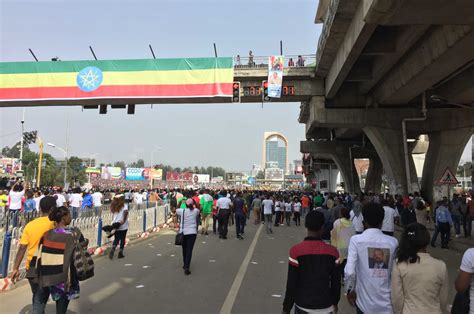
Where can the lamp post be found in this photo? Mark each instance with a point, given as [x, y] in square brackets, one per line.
[65, 152]
[151, 165]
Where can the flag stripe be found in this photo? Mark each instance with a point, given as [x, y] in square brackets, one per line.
[118, 78]
[132, 91]
[118, 65]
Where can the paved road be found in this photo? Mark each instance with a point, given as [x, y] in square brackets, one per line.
[246, 276]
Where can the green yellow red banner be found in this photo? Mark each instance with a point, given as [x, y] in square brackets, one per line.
[154, 78]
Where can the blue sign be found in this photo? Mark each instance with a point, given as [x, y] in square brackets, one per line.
[251, 180]
[135, 174]
[89, 79]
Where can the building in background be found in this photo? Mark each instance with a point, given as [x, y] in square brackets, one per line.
[255, 170]
[275, 150]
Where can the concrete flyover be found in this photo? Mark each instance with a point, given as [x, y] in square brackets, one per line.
[396, 70]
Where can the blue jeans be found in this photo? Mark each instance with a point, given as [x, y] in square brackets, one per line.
[239, 224]
[75, 212]
[457, 224]
[40, 298]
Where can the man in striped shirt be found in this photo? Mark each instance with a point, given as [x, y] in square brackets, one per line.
[314, 274]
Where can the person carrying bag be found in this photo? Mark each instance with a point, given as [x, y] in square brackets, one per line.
[187, 234]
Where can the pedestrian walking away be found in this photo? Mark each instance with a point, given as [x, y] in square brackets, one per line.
[189, 228]
[120, 217]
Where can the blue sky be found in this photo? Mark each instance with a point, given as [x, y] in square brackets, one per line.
[226, 135]
[222, 135]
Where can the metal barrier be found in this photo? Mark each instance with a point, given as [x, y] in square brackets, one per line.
[139, 220]
[262, 61]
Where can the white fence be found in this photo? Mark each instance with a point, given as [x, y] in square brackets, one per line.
[139, 220]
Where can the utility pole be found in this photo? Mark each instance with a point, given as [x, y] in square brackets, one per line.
[67, 151]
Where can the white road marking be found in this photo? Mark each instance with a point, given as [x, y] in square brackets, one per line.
[127, 265]
[212, 261]
[169, 243]
[172, 255]
[276, 295]
[105, 292]
[281, 262]
[140, 286]
[234, 289]
[255, 263]
[146, 266]
[158, 254]
[203, 242]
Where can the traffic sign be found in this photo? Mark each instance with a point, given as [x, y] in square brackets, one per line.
[448, 177]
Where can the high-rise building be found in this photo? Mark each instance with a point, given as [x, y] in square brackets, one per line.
[275, 151]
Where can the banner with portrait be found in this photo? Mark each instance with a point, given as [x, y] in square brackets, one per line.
[275, 76]
[111, 173]
[135, 174]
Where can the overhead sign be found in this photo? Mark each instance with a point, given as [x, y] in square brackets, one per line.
[448, 178]
[106, 80]
[275, 76]
[93, 170]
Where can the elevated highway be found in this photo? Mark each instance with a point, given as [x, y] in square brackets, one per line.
[394, 71]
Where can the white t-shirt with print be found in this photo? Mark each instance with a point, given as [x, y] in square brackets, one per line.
[288, 207]
[467, 265]
[297, 207]
[75, 200]
[277, 206]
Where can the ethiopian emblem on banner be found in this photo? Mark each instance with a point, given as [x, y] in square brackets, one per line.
[275, 76]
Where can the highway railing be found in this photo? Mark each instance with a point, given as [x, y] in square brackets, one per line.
[140, 219]
[291, 61]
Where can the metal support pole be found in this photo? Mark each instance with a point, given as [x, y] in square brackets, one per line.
[215, 50]
[93, 53]
[40, 162]
[281, 47]
[154, 217]
[99, 233]
[144, 220]
[6, 253]
[152, 52]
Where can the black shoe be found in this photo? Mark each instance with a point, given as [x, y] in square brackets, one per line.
[224, 237]
[111, 253]
[120, 254]
[220, 237]
[187, 272]
[205, 233]
[240, 237]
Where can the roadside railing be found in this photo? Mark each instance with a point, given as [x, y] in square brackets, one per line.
[141, 219]
[291, 61]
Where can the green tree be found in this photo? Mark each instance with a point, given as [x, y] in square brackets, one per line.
[120, 164]
[76, 170]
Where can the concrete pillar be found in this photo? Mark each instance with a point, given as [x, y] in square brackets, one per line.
[445, 150]
[389, 146]
[348, 172]
[373, 182]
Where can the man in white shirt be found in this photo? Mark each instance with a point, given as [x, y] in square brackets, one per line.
[267, 204]
[466, 276]
[391, 215]
[15, 201]
[60, 199]
[369, 265]
[75, 201]
[138, 199]
[224, 205]
[97, 201]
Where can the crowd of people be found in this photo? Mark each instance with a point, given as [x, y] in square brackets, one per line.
[351, 238]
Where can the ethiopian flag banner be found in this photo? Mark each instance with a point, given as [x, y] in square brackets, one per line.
[112, 79]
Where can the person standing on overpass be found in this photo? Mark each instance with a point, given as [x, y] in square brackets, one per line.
[313, 289]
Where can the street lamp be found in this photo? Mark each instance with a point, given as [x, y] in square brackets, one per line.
[65, 152]
[151, 164]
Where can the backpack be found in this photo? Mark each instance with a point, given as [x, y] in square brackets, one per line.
[81, 258]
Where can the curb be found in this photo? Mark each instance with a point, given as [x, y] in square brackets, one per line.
[7, 285]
